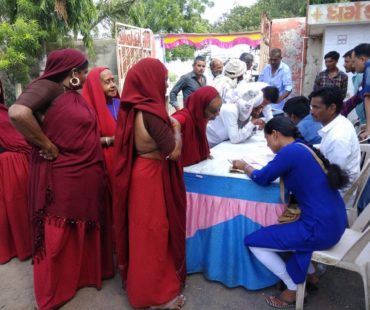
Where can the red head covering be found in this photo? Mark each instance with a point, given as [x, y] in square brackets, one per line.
[145, 89]
[63, 60]
[93, 93]
[194, 124]
[11, 139]
[2, 100]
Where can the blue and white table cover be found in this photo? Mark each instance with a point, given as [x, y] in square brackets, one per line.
[222, 208]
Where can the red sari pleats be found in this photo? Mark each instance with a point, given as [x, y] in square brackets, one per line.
[151, 278]
[15, 226]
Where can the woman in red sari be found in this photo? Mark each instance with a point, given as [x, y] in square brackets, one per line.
[149, 195]
[68, 184]
[15, 225]
[202, 106]
[100, 92]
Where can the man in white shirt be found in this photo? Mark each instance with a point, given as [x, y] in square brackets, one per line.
[339, 142]
[239, 119]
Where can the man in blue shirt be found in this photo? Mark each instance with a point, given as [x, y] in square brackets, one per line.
[356, 81]
[298, 110]
[362, 65]
[277, 74]
[189, 82]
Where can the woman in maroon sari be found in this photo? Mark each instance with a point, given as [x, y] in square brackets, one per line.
[100, 92]
[149, 195]
[68, 185]
[15, 226]
[202, 106]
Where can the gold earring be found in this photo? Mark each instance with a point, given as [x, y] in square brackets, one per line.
[74, 81]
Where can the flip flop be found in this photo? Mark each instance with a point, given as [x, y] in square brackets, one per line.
[279, 303]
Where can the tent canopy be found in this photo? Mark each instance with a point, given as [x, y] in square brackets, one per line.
[198, 40]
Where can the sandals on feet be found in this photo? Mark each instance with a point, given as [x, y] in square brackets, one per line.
[280, 303]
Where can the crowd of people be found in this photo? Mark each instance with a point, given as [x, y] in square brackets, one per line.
[88, 174]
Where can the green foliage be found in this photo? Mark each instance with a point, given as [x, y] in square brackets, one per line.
[19, 45]
[167, 16]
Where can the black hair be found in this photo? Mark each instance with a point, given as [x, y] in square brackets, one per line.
[199, 58]
[246, 57]
[329, 95]
[337, 177]
[298, 106]
[333, 54]
[276, 51]
[348, 54]
[271, 93]
[61, 76]
[362, 50]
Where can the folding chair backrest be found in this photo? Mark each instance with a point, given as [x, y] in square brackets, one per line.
[365, 154]
[363, 220]
[358, 186]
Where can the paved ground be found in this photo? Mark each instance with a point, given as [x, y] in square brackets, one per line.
[338, 290]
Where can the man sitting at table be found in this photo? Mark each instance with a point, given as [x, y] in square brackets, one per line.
[240, 119]
[298, 110]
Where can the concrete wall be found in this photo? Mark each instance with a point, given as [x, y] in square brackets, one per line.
[105, 54]
[288, 35]
[314, 62]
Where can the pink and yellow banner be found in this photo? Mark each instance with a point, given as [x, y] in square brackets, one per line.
[221, 40]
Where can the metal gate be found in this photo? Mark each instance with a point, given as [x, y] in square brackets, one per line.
[133, 44]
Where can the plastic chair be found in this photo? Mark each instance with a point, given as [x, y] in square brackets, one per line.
[353, 194]
[365, 154]
[352, 252]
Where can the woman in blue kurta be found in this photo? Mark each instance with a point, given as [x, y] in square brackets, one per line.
[323, 215]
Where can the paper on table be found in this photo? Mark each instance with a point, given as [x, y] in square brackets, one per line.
[258, 161]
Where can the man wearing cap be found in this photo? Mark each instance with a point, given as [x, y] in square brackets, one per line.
[278, 74]
[233, 74]
[239, 119]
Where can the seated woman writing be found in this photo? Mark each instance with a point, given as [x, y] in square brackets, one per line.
[201, 106]
[323, 214]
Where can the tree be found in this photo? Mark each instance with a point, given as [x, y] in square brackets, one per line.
[166, 16]
[26, 26]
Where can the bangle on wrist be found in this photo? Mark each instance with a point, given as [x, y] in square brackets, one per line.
[107, 141]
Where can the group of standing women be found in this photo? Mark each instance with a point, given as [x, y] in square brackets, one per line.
[97, 159]
[92, 151]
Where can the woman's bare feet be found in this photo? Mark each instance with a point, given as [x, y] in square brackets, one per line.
[177, 303]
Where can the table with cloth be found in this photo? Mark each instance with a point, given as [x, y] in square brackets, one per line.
[224, 207]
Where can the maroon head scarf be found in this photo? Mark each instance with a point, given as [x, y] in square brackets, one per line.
[93, 93]
[145, 89]
[63, 60]
[194, 124]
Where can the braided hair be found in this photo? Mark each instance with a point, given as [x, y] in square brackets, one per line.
[337, 177]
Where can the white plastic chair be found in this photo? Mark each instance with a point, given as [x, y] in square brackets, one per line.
[365, 153]
[352, 252]
[353, 194]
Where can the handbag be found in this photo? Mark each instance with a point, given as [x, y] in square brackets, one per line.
[292, 212]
